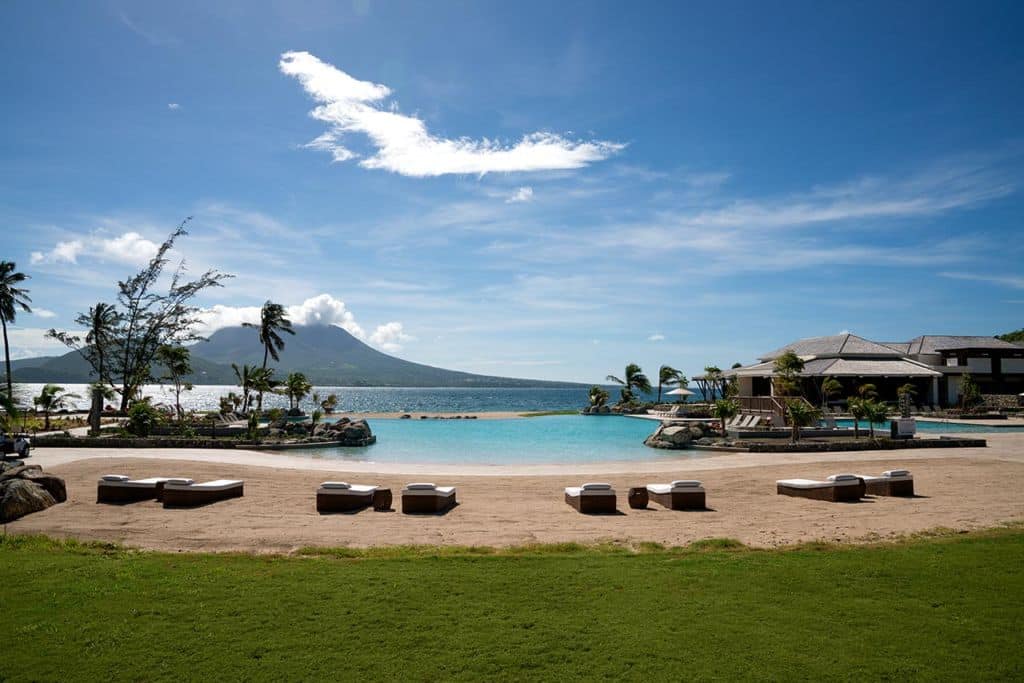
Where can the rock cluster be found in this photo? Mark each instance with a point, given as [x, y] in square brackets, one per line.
[25, 489]
[676, 436]
[350, 432]
[596, 410]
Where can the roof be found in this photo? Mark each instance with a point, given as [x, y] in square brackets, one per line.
[834, 346]
[934, 343]
[845, 367]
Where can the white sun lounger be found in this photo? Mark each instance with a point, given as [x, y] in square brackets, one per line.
[838, 487]
[340, 496]
[682, 494]
[426, 498]
[118, 488]
[591, 498]
[891, 483]
[185, 493]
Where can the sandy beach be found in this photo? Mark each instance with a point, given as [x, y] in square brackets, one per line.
[500, 506]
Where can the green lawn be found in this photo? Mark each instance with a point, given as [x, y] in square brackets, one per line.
[949, 607]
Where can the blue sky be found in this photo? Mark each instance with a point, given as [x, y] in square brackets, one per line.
[544, 190]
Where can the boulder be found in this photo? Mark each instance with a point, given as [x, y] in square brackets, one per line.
[670, 436]
[696, 432]
[357, 433]
[407, 416]
[53, 484]
[10, 465]
[14, 472]
[20, 497]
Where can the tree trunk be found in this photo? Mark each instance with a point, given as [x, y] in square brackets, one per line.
[259, 401]
[7, 361]
[659, 392]
[97, 410]
[46, 420]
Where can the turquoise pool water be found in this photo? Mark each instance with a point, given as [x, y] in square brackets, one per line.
[944, 427]
[535, 440]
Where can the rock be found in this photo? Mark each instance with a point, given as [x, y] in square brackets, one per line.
[20, 497]
[670, 436]
[53, 484]
[357, 433]
[696, 432]
[14, 472]
[604, 410]
[10, 465]
[319, 429]
[407, 416]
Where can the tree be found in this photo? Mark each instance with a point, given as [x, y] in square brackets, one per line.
[715, 381]
[230, 403]
[143, 320]
[874, 412]
[906, 395]
[272, 323]
[176, 361]
[328, 404]
[296, 388]
[787, 368]
[800, 413]
[725, 409]
[9, 413]
[830, 387]
[52, 398]
[855, 405]
[245, 375]
[262, 381]
[669, 376]
[598, 396]
[970, 394]
[634, 378]
[1015, 337]
[12, 298]
[868, 391]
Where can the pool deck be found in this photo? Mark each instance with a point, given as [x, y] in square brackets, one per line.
[958, 489]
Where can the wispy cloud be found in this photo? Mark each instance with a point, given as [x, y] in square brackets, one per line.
[1014, 281]
[523, 194]
[130, 247]
[403, 144]
[656, 338]
[155, 37]
[173, 106]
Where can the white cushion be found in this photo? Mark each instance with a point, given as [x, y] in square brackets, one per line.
[686, 483]
[804, 483]
[114, 477]
[180, 481]
[596, 486]
[572, 491]
[843, 478]
[896, 473]
[435, 491]
[352, 490]
[420, 486]
[218, 484]
[335, 485]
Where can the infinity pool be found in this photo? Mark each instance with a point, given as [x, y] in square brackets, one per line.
[535, 440]
[943, 427]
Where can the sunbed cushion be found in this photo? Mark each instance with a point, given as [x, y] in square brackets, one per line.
[843, 479]
[669, 488]
[686, 483]
[351, 489]
[336, 485]
[572, 491]
[595, 486]
[177, 481]
[896, 473]
[218, 484]
[433, 491]
[114, 477]
[804, 483]
[420, 486]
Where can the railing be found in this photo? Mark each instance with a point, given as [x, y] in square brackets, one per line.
[766, 405]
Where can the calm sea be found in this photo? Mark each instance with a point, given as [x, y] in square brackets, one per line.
[369, 399]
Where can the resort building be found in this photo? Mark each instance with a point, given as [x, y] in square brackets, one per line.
[935, 365]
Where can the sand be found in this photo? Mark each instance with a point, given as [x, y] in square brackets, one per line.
[499, 506]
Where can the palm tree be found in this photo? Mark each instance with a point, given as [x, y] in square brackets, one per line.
[830, 387]
[668, 376]
[102, 320]
[50, 399]
[272, 323]
[634, 378]
[178, 363]
[906, 395]
[598, 396]
[725, 409]
[12, 298]
[874, 412]
[328, 404]
[296, 388]
[262, 380]
[855, 405]
[245, 375]
[800, 414]
[868, 391]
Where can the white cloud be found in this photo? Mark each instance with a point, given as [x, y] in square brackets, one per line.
[390, 337]
[324, 309]
[173, 106]
[1014, 281]
[523, 194]
[656, 338]
[130, 247]
[29, 342]
[404, 145]
[43, 313]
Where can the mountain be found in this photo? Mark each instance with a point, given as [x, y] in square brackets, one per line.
[327, 355]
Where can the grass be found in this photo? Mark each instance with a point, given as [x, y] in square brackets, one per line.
[942, 606]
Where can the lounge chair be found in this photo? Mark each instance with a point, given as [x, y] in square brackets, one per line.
[422, 498]
[891, 483]
[591, 498]
[735, 421]
[340, 496]
[117, 488]
[186, 493]
[839, 487]
[682, 494]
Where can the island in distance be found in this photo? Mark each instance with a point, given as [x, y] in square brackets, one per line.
[326, 354]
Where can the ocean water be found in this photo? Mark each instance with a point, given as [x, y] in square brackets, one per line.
[366, 399]
[535, 440]
[938, 427]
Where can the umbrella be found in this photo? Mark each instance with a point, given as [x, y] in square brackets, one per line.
[681, 392]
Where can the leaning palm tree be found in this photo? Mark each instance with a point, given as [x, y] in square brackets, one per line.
[296, 388]
[272, 323]
[830, 387]
[634, 378]
[725, 409]
[102, 320]
[12, 298]
[51, 398]
[800, 414]
[245, 375]
[669, 377]
[874, 412]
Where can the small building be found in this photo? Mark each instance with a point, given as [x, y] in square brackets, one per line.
[933, 364]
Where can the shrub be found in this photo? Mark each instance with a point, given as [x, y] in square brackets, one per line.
[142, 417]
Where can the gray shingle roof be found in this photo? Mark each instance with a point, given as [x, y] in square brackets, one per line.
[845, 367]
[933, 343]
[834, 346]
